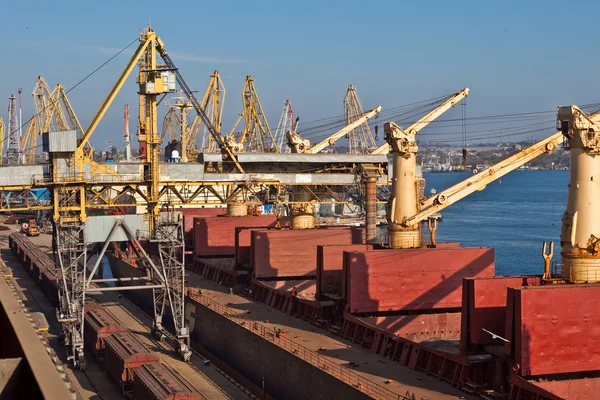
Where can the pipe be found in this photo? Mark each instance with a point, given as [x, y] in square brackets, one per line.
[104, 280]
[118, 288]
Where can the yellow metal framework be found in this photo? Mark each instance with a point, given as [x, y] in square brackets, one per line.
[257, 135]
[177, 124]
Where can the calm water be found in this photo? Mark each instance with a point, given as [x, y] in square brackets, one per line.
[513, 216]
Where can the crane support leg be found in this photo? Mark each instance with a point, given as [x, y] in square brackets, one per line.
[71, 252]
[171, 248]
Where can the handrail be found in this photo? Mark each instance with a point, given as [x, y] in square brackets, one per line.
[342, 373]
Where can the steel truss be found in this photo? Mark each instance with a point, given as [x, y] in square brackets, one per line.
[71, 251]
[171, 251]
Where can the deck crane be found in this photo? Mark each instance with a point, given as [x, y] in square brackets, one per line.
[300, 145]
[427, 118]
[580, 232]
[406, 210]
[257, 135]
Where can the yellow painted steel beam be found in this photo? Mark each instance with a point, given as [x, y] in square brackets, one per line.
[116, 88]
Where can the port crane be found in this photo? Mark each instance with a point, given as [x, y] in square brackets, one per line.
[406, 210]
[360, 139]
[177, 124]
[580, 231]
[218, 180]
[68, 177]
[300, 145]
[212, 103]
[286, 123]
[414, 128]
[180, 129]
[257, 135]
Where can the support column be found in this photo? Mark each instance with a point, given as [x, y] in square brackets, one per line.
[303, 216]
[404, 199]
[371, 209]
[237, 209]
[579, 239]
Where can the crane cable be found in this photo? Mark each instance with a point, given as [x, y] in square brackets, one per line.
[72, 88]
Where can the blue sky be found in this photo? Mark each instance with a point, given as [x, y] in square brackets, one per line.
[515, 56]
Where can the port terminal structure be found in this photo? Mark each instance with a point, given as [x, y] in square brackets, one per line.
[76, 191]
[80, 197]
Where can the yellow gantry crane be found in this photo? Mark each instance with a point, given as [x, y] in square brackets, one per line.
[212, 103]
[54, 113]
[69, 200]
[257, 135]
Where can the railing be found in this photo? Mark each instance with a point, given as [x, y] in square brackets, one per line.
[577, 274]
[344, 374]
[68, 177]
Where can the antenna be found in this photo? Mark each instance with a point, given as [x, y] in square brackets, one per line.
[126, 135]
[21, 156]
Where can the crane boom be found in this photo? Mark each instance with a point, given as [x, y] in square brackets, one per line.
[479, 181]
[188, 92]
[113, 92]
[299, 145]
[427, 118]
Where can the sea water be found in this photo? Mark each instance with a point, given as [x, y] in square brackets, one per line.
[514, 215]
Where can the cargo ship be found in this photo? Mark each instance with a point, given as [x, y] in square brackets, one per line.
[427, 307]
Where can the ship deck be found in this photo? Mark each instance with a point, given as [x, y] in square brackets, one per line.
[392, 375]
